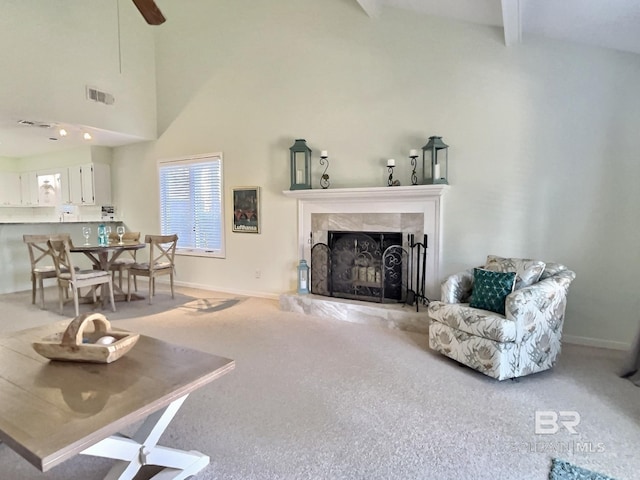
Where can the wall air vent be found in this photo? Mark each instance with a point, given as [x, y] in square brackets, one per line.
[31, 123]
[100, 96]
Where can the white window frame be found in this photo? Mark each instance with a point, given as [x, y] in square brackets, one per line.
[198, 252]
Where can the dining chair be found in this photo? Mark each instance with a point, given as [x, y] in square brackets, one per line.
[39, 254]
[72, 278]
[162, 249]
[126, 259]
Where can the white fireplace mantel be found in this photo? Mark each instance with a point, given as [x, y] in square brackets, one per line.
[366, 193]
[422, 199]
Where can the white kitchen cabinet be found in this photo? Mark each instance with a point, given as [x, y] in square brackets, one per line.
[9, 189]
[29, 189]
[75, 185]
[90, 184]
[87, 184]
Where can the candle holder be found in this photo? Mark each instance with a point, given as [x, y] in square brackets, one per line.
[414, 176]
[390, 170]
[324, 179]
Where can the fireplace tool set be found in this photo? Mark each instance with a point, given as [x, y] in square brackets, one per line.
[417, 272]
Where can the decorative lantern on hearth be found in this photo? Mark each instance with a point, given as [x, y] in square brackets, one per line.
[300, 165]
[303, 277]
[435, 161]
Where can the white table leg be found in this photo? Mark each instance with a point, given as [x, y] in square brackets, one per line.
[142, 449]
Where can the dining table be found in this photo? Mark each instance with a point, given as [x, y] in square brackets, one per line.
[103, 256]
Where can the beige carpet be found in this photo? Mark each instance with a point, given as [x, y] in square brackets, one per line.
[322, 399]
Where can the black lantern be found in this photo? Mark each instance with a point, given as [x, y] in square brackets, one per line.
[300, 165]
[435, 162]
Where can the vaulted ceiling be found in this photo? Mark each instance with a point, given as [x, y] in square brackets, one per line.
[612, 24]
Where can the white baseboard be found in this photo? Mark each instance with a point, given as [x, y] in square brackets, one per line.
[248, 293]
[570, 339]
[595, 342]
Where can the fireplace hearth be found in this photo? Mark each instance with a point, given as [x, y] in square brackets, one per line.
[368, 266]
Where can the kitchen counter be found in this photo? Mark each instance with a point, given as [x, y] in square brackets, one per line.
[66, 214]
[51, 222]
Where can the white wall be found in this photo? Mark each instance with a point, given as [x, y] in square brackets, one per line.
[543, 138]
[52, 50]
[8, 164]
[64, 158]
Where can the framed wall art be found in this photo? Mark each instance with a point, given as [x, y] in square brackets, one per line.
[246, 209]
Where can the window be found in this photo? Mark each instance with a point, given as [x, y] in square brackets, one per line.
[191, 204]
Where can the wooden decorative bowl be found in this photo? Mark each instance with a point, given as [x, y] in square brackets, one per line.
[76, 346]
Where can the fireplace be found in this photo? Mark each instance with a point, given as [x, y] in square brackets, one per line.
[368, 266]
[405, 210]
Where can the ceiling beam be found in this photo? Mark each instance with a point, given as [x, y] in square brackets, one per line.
[370, 7]
[512, 22]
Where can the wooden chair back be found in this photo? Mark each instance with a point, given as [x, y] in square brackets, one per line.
[39, 249]
[60, 250]
[162, 250]
[68, 276]
[41, 262]
[128, 237]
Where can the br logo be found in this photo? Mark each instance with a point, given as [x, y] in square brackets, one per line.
[548, 422]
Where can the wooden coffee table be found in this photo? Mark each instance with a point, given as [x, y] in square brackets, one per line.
[52, 411]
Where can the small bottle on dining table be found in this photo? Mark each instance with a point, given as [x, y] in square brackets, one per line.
[103, 241]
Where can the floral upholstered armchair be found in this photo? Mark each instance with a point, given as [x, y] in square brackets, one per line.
[503, 319]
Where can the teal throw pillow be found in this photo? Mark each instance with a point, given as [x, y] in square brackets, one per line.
[490, 289]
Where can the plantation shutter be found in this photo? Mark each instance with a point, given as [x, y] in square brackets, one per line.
[191, 203]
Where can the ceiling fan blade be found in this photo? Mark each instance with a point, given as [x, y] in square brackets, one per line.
[150, 11]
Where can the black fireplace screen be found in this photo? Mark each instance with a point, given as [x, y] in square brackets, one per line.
[369, 266]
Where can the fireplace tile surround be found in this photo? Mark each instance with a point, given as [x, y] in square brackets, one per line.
[322, 223]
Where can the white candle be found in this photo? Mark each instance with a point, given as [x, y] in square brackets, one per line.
[413, 152]
[324, 153]
[298, 176]
[391, 162]
[436, 171]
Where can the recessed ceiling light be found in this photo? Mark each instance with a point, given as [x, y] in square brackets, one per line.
[87, 136]
[63, 132]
